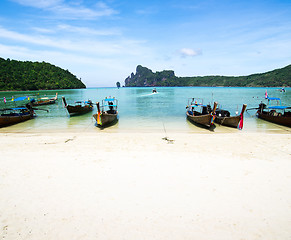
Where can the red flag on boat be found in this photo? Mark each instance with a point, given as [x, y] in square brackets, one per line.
[241, 122]
[266, 94]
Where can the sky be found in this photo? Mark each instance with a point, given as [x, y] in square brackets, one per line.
[102, 42]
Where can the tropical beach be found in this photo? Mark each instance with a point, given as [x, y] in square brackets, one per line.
[145, 120]
[151, 175]
[82, 185]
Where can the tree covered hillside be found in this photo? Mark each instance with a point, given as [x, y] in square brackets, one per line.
[19, 75]
[144, 77]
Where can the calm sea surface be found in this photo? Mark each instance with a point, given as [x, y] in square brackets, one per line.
[140, 110]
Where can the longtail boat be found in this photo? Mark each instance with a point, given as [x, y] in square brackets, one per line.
[200, 114]
[13, 115]
[109, 116]
[276, 114]
[79, 108]
[223, 117]
[44, 101]
[10, 116]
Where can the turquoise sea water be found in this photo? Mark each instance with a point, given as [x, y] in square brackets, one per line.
[141, 110]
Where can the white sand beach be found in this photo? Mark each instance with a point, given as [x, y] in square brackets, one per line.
[133, 186]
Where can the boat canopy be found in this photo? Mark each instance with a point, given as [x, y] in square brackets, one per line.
[19, 108]
[279, 107]
[274, 98]
[14, 109]
[109, 99]
[20, 98]
[109, 106]
[198, 105]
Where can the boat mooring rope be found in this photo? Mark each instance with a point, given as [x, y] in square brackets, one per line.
[166, 138]
[222, 121]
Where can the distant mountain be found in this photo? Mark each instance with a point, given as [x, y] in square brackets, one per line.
[144, 77]
[19, 75]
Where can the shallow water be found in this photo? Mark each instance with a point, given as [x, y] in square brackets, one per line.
[141, 110]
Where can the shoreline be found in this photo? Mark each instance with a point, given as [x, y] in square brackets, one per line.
[63, 89]
[116, 185]
[165, 128]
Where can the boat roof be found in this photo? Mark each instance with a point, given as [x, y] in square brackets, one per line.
[109, 105]
[195, 101]
[20, 98]
[274, 98]
[109, 99]
[198, 105]
[19, 108]
[16, 108]
[279, 107]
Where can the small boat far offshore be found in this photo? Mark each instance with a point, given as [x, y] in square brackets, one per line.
[106, 117]
[79, 108]
[204, 116]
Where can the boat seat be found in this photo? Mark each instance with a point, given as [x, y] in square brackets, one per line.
[111, 111]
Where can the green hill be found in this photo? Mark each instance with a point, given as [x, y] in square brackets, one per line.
[144, 77]
[19, 75]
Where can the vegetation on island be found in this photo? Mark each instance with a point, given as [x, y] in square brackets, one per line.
[118, 84]
[20, 75]
[144, 77]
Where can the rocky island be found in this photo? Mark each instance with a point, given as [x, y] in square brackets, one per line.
[145, 77]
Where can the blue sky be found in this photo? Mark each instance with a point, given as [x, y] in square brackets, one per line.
[102, 42]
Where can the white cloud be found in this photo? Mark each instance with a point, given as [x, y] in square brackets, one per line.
[39, 40]
[147, 11]
[43, 30]
[69, 12]
[39, 3]
[88, 31]
[188, 52]
[64, 10]
[83, 46]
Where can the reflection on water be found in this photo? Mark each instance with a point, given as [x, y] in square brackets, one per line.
[141, 110]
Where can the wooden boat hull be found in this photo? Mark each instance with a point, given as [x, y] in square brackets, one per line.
[204, 120]
[106, 118]
[232, 121]
[282, 120]
[10, 120]
[78, 109]
[41, 103]
[45, 102]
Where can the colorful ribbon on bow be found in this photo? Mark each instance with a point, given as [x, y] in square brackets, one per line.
[241, 122]
[99, 118]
